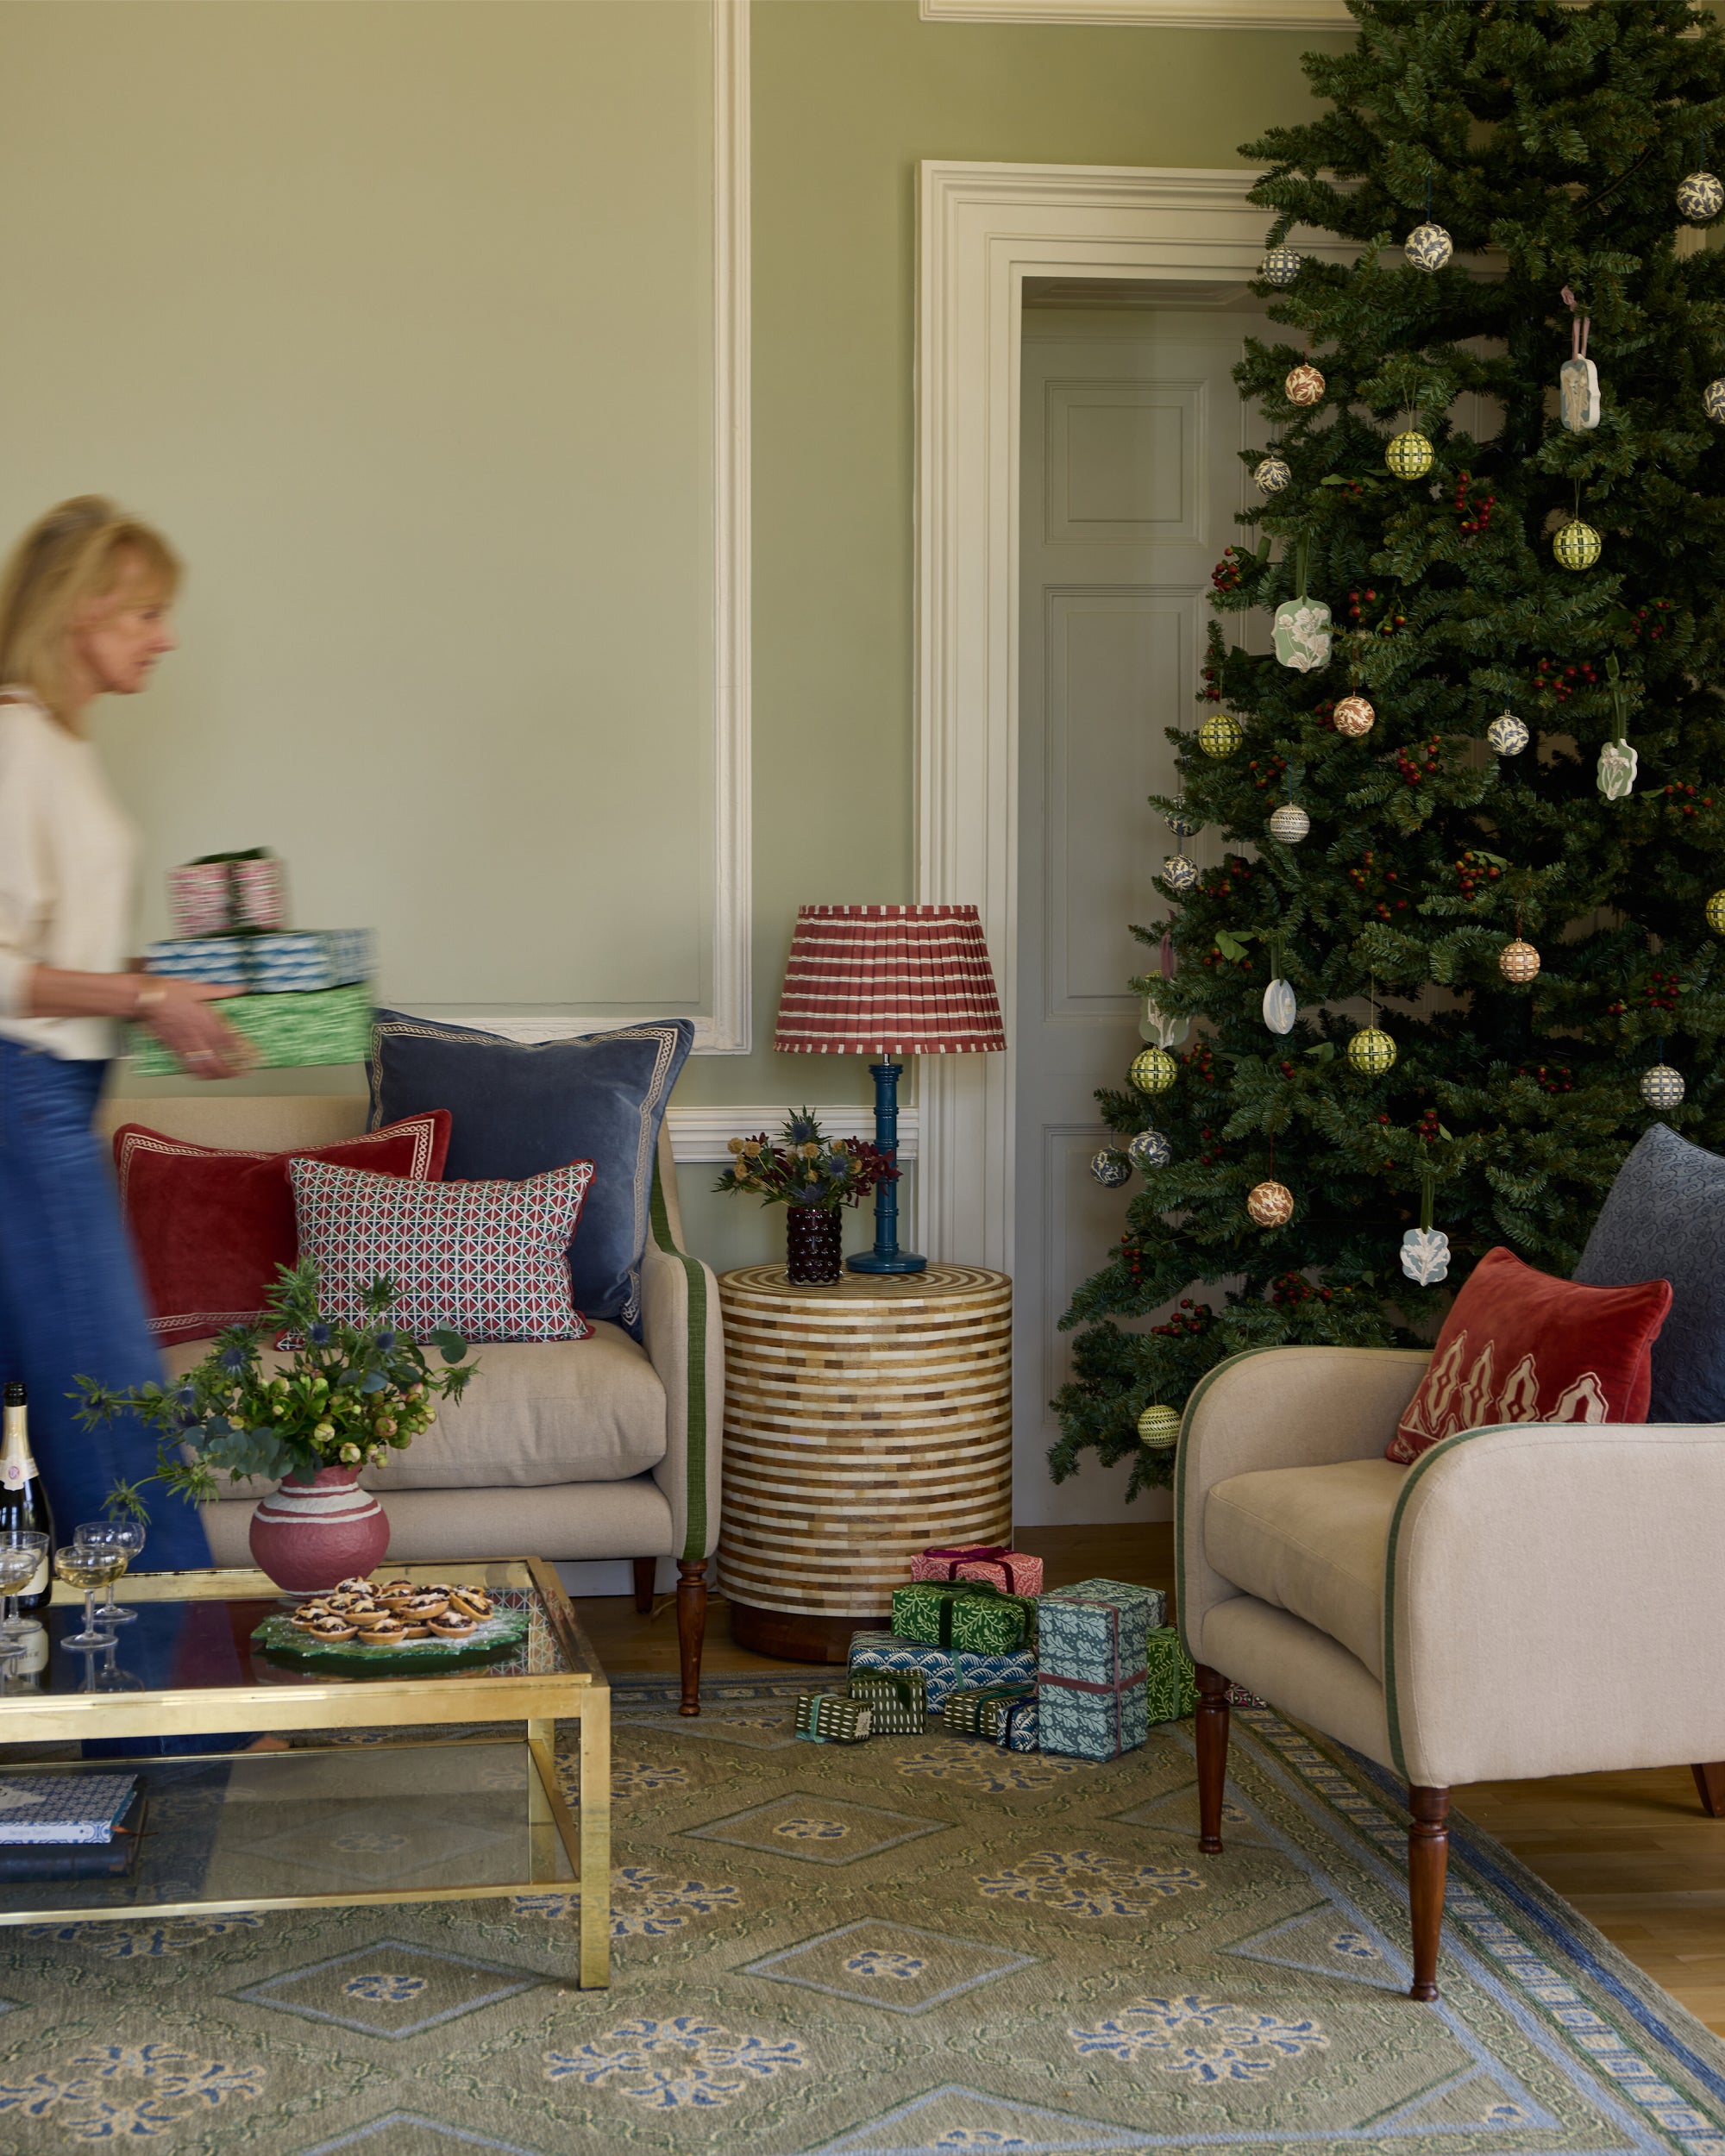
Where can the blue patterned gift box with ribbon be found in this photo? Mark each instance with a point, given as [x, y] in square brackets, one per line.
[1091, 1657]
[946, 1670]
[275, 964]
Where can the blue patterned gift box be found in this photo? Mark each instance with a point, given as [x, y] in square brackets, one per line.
[274, 964]
[1091, 1647]
[945, 1670]
[1018, 1728]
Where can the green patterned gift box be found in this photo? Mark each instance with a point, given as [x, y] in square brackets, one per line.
[1170, 1686]
[307, 1025]
[979, 1712]
[969, 1616]
[896, 1699]
[829, 1718]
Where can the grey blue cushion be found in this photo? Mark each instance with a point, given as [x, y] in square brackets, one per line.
[1664, 1219]
[520, 1107]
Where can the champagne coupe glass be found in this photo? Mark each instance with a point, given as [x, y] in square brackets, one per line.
[109, 1678]
[124, 1535]
[88, 1565]
[18, 1563]
[31, 1538]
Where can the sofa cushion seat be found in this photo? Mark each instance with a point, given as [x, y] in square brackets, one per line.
[1312, 1540]
[539, 1412]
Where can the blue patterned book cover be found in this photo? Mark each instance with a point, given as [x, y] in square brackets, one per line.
[62, 1808]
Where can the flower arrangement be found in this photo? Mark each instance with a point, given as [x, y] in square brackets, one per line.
[807, 1168]
[343, 1396]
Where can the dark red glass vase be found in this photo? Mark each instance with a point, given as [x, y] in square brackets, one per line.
[814, 1244]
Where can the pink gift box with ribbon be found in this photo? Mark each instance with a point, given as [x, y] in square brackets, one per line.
[1011, 1571]
[226, 893]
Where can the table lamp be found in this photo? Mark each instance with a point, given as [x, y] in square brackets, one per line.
[888, 981]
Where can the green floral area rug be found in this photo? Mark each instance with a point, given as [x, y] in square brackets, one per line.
[916, 1947]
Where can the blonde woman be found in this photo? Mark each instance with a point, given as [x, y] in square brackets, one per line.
[84, 611]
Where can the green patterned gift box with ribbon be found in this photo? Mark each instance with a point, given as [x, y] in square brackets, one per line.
[1170, 1687]
[301, 1026]
[896, 1699]
[979, 1712]
[969, 1616]
[829, 1718]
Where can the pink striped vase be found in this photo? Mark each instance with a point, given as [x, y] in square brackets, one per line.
[311, 1535]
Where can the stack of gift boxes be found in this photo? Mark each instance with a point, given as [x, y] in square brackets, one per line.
[307, 994]
[1084, 1670]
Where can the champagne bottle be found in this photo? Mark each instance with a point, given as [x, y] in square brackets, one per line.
[23, 1502]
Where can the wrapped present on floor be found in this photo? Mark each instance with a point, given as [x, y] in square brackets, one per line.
[977, 1713]
[217, 894]
[1170, 1686]
[967, 1615]
[945, 1669]
[829, 1718]
[297, 958]
[897, 1699]
[1016, 1727]
[1011, 1571]
[320, 1026]
[1238, 1695]
[1091, 1667]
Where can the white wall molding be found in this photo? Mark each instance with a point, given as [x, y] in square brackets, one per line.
[982, 230]
[703, 1133]
[1170, 15]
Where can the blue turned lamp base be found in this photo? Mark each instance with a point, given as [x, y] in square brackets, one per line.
[886, 1256]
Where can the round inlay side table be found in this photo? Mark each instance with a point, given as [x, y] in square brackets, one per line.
[864, 1421]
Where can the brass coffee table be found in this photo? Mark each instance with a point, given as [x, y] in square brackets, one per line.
[451, 1812]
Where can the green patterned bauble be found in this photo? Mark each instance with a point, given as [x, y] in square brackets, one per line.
[1220, 735]
[1409, 455]
[1576, 544]
[1371, 1050]
[1154, 1071]
[1158, 1427]
[1715, 913]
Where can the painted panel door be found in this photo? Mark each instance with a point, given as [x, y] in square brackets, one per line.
[1130, 479]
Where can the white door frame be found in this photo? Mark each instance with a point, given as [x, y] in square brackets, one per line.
[982, 229]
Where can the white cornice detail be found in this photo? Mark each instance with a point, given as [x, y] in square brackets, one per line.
[704, 1133]
[1168, 15]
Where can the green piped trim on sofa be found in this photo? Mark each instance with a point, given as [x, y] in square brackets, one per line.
[1196, 1393]
[694, 1542]
[1392, 1712]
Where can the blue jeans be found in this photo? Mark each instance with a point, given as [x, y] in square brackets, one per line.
[71, 1304]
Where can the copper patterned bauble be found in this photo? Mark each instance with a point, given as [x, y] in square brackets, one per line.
[1715, 913]
[1304, 385]
[1282, 267]
[1409, 455]
[1154, 1071]
[1354, 718]
[1271, 1205]
[1518, 962]
[1289, 824]
[1273, 474]
[1700, 197]
[1428, 246]
[1576, 544]
[1220, 735]
[1110, 1168]
[1158, 1427]
[1662, 1086]
[1506, 735]
[1371, 1050]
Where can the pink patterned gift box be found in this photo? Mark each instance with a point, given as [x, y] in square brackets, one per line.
[1011, 1571]
[217, 896]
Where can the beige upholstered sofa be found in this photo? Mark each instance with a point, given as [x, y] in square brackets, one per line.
[595, 1448]
[1526, 1599]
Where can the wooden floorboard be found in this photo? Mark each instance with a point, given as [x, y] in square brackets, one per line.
[1633, 1852]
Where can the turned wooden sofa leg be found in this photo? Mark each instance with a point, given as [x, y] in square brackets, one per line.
[1710, 1783]
[1213, 1756]
[1428, 1857]
[646, 1571]
[691, 1628]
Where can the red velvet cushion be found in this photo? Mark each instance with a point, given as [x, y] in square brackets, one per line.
[1519, 1346]
[212, 1225]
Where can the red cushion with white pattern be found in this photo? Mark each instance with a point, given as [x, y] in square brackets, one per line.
[489, 1260]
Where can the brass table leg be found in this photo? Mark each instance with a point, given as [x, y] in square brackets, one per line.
[595, 1826]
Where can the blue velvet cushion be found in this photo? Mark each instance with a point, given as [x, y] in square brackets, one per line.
[518, 1108]
[1664, 1219]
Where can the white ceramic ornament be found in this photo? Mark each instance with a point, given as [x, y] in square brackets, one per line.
[1272, 475]
[1149, 1149]
[1428, 246]
[1713, 400]
[1180, 871]
[1280, 1007]
[1616, 777]
[1301, 634]
[1111, 1168]
[1700, 197]
[1578, 395]
[1662, 1086]
[1282, 266]
[1507, 735]
[1424, 1256]
[1289, 824]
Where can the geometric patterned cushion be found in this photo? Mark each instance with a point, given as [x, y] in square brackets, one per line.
[489, 1260]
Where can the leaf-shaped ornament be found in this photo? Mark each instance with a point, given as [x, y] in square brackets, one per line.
[1280, 1007]
[1424, 1256]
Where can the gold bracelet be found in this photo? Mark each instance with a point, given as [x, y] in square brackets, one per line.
[148, 1000]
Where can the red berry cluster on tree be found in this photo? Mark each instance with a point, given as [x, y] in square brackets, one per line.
[1291, 1289]
[1407, 762]
[1270, 770]
[1474, 516]
[1647, 621]
[1227, 575]
[1683, 800]
[1472, 873]
[1562, 682]
[1551, 1077]
[1197, 1321]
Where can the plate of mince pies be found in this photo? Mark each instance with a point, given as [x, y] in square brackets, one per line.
[372, 1625]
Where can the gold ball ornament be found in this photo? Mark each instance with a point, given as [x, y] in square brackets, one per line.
[1715, 913]
[1371, 1050]
[1661, 1087]
[1354, 718]
[1154, 1071]
[1304, 385]
[1158, 1427]
[1518, 962]
[1271, 1205]
[1576, 544]
[1409, 455]
[1281, 266]
[1220, 735]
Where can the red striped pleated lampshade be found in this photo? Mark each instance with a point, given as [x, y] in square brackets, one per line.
[888, 981]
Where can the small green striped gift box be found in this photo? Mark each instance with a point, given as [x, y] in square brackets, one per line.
[970, 1616]
[897, 1699]
[301, 1026]
[829, 1718]
[978, 1712]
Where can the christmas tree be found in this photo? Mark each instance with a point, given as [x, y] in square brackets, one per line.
[1460, 950]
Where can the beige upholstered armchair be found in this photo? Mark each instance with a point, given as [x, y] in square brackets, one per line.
[1526, 1599]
